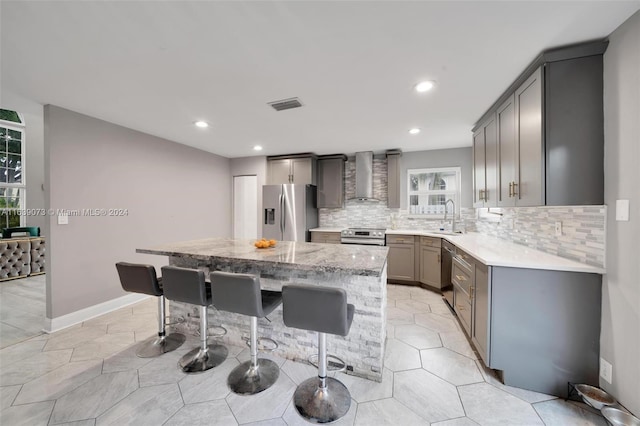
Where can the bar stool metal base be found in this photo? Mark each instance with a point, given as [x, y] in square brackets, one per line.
[199, 360]
[158, 345]
[322, 405]
[247, 379]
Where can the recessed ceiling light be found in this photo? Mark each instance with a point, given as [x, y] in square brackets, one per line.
[257, 148]
[201, 124]
[425, 86]
[414, 131]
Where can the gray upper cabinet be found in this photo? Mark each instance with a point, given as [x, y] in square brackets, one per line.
[507, 153]
[295, 169]
[479, 174]
[393, 180]
[528, 189]
[279, 172]
[485, 164]
[549, 134]
[331, 181]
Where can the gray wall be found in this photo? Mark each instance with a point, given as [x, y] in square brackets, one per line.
[455, 157]
[246, 166]
[34, 152]
[172, 192]
[620, 332]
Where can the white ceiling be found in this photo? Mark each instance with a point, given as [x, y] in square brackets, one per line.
[159, 66]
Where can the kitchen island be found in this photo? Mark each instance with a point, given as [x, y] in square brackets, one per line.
[360, 270]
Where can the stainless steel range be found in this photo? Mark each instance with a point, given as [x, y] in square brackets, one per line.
[363, 236]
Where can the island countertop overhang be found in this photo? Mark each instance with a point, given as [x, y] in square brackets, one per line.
[352, 259]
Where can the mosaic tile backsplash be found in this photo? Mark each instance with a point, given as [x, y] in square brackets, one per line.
[583, 227]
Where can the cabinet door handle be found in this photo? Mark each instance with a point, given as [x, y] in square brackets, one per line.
[510, 189]
[461, 307]
[461, 277]
[471, 292]
[439, 259]
[515, 186]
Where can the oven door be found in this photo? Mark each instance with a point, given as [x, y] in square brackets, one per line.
[362, 241]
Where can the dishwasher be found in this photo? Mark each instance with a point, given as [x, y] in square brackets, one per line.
[448, 252]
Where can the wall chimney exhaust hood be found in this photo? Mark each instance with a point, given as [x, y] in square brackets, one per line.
[364, 176]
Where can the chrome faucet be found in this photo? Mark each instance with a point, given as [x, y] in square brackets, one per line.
[453, 213]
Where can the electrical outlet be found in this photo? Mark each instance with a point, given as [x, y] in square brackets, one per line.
[606, 371]
[622, 210]
[558, 229]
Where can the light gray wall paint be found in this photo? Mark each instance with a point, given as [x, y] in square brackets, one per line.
[34, 152]
[456, 157]
[620, 332]
[172, 193]
[246, 166]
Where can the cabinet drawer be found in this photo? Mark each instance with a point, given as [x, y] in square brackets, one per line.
[400, 239]
[430, 241]
[325, 237]
[465, 256]
[462, 307]
[462, 276]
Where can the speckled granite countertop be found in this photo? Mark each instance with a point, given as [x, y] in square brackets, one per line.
[352, 259]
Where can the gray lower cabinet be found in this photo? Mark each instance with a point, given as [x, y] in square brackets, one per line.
[480, 324]
[401, 259]
[325, 237]
[331, 181]
[540, 328]
[430, 262]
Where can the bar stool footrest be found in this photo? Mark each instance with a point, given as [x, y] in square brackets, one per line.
[261, 346]
[334, 364]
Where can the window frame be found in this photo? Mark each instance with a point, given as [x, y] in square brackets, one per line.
[19, 127]
[456, 198]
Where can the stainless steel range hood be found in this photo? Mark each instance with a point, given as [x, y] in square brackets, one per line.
[364, 176]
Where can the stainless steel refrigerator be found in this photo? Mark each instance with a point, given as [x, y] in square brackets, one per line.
[289, 212]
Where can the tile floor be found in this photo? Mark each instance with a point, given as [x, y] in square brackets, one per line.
[89, 375]
[22, 309]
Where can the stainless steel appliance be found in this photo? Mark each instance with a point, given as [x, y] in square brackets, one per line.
[363, 236]
[289, 212]
[448, 253]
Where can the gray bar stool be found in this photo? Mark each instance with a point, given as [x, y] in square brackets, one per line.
[325, 310]
[137, 278]
[189, 286]
[241, 294]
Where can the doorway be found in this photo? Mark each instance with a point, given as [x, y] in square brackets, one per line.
[245, 207]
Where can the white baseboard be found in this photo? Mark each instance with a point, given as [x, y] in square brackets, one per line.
[59, 323]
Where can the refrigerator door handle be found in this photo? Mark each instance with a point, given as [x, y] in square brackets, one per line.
[282, 214]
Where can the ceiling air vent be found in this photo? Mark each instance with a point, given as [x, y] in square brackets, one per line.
[286, 104]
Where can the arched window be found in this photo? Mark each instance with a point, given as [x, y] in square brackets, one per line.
[12, 183]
